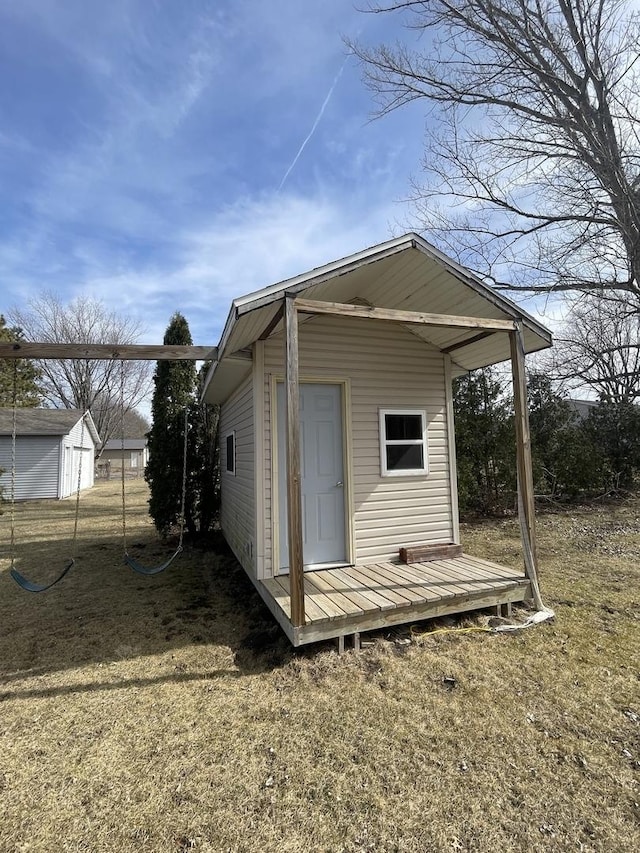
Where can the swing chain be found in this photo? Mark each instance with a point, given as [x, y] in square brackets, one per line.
[124, 512]
[14, 430]
[22, 581]
[79, 486]
[184, 476]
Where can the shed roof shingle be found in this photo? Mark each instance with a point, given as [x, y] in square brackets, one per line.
[39, 421]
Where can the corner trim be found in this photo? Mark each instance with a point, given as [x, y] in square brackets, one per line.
[451, 444]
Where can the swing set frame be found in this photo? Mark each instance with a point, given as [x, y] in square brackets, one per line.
[99, 352]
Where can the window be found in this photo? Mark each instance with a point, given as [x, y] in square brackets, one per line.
[231, 452]
[403, 442]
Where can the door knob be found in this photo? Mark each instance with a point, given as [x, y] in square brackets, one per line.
[339, 484]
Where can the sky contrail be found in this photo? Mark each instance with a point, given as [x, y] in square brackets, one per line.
[315, 124]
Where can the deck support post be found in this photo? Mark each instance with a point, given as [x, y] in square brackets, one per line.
[294, 483]
[526, 499]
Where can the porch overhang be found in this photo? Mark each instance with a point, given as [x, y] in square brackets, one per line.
[229, 374]
[404, 274]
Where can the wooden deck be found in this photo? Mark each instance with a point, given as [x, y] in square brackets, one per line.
[344, 601]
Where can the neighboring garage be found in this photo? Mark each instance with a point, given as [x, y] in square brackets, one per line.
[51, 447]
[133, 453]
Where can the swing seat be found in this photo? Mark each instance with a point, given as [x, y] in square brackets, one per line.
[143, 570]
[30, 586]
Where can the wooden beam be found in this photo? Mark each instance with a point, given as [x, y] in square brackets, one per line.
[467, 342]
[273, 322]
[526, 499]
[311, 306]
[99, 352]
[294, 481]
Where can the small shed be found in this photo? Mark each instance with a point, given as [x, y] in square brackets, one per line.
[132, 453]
[52, 447]
[338, 464]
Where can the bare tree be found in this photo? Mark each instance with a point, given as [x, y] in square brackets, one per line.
[135, 425]
[533, 145]
[599, 347]
[78, 383]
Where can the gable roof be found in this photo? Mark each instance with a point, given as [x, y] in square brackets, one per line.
[405, 273]
[45, 422]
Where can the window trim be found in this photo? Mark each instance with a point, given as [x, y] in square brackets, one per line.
[227, 470]
[390, 442]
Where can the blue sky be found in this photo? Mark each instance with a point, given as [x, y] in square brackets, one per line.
[151, 152]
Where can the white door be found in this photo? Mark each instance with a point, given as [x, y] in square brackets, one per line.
[321, 464]
[81, 455]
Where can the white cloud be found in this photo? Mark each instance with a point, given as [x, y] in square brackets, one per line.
[152, 197]
[248, 245]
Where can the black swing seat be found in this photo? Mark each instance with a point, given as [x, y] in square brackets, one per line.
[143, 570]
[30, 586]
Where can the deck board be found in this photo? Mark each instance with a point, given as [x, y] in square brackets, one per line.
[354, 589]
[371, 589]
[382, 585]
[478, 564]
[404, 577]
[323, 582]
[323, 601]
[394, 587]
[491, 576]
[364, 597]
[457, 576]
[429, 586]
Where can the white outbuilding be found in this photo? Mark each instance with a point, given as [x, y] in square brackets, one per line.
[53, 448]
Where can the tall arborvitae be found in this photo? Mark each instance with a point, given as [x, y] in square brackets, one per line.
[174, 392]
[27, 375]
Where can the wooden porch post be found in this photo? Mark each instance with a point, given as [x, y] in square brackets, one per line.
[294, 486]
[526, 499]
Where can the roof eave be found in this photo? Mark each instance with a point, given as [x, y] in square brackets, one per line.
[88, 419]
[266, 296]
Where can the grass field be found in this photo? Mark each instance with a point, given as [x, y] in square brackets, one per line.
[169, 714]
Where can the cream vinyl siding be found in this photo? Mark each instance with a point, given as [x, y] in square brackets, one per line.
[387, 367]
[237, 511]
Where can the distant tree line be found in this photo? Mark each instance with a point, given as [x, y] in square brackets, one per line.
[575, 455]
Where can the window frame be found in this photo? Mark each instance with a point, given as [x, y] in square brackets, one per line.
[230, 435]
[390, 442]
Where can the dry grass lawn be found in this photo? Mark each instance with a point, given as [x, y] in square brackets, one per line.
[169, 714]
